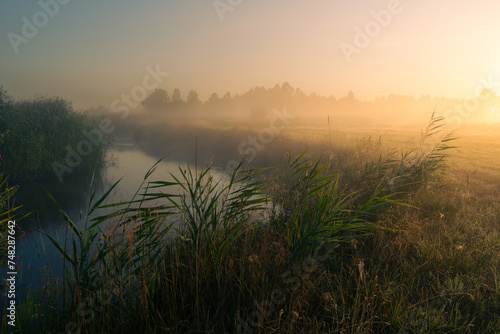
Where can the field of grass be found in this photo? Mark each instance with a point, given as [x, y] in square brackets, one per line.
[380, 234]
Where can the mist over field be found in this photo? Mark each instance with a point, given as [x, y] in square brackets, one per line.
[230, 126]
[232, 166]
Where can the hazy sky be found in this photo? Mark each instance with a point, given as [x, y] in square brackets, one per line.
[90, 52]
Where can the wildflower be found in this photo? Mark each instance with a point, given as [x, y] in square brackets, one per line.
[252, 258]
[185, 239]
[295, 316]
[361, 268]
[327, 297]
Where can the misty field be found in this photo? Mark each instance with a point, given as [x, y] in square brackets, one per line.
[233, 166]
[369, 231]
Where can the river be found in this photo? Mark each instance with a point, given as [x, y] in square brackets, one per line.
[39, 259]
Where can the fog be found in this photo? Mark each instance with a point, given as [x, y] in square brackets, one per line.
[265, 123]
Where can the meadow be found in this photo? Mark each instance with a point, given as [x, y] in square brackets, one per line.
[368, 231]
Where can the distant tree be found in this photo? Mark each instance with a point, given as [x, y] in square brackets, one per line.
[299, 93]
[192, 98]
[257, 92]
[286, 89]
[276, 96]
[350, 96]
[5, 100]
[227, 96]
[157, 100]
[401, 99]
[214, 98]
[176, 96]
[424, 98]
[332, 98]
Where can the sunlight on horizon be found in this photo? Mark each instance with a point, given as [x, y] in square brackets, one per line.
[92, 53]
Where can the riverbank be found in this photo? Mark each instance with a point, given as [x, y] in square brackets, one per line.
[326, 259]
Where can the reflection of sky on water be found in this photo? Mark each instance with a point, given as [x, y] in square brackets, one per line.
[36, 252]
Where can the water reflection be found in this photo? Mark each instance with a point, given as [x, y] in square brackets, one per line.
[38, 255]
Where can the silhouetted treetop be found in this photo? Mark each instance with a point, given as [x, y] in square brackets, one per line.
[157, 100]
[176, 96]
[214, 98]
[192, 97]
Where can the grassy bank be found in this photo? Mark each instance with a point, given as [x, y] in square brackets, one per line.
[368, 241]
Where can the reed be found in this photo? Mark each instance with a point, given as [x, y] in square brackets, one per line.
[311, 247]
[7, 212]
[36, 134]
[223, 227]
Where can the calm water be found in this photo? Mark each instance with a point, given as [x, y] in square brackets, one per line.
[36, 253]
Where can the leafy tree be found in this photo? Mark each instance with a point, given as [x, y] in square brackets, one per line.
[287, 89]
[299, 93]
[214, 98]
[36, 135]
[157, 100]
[193, 97]
[5, 100]
[176, 96]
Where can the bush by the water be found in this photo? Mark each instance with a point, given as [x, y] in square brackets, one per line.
[37, 134]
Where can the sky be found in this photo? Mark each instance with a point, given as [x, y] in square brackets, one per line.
[92, 52]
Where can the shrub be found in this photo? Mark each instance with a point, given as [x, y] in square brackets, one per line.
[37, 133]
